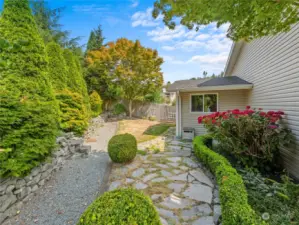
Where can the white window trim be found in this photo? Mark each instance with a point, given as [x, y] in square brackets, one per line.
[203, 94]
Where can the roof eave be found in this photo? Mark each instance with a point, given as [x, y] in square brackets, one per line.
[233, 56]
[216, 88]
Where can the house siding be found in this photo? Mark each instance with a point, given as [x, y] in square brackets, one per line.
[272, 65]
[227, 100]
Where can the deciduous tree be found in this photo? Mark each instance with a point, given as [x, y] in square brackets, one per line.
[130, 66]
[248, 19]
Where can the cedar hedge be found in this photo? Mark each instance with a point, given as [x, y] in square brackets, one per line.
[121, 207]
[29, 112]
[233, 194]
[122, 148]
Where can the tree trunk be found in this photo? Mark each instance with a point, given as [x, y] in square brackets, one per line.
[130, 108]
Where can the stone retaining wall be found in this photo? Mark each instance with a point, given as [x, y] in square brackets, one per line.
[14, 192]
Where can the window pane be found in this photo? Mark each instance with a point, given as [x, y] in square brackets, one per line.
[197, 103]
[210, 103]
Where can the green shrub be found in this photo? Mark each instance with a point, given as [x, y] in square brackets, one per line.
[122, 148]
[95, 103]
[29, 112]
[73, 112]
[121, 207]
[152, 118]
[253, 137]
[233, 195]
[119, 109]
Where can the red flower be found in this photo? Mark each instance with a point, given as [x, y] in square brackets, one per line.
[200, 119]
[280, 112]
[214, 121]
[273, 126]
[270, 113]
[262, 114]
[248, 107]
[260, 109]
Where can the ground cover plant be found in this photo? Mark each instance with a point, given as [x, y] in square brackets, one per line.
[122, 207]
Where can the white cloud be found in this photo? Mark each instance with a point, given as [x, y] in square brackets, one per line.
[134, 4]
[210, 58]
[173, 60]
[202, 37]
[145, 19]
[165, 34]
[168, 48]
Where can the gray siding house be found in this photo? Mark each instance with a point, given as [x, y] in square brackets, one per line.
[263, 74]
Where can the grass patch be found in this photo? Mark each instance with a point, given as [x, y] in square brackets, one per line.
[143, 130]
[141, 152]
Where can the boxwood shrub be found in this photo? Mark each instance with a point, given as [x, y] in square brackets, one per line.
[121, 207]
[233, 195]
[122, 148]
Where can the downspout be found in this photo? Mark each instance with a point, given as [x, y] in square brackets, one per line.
[177, 115]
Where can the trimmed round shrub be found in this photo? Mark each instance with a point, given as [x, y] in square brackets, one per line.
[122, 148]
[121, 207]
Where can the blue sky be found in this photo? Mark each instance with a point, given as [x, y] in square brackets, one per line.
[186, 53]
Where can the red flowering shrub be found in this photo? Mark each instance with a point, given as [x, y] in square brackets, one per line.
[251, 136]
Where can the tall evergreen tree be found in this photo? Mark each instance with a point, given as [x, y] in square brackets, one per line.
[57, 66]
[96, 39]
[29, 113]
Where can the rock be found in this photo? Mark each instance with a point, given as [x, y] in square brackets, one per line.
[174, 202]
[152, 169]
[129, 181]
[149, 177]
[216, 201]
[181, 177]
[41, 183]
[176, 187]
[28, 198]
[10, 188]
[166, 173]
[28, 178]
[208, 220]
[20, 183]
[177, 171]
[35, 171]
[34, 180]
[46, 174]
[217, 213]
[178, 154]
[12, 211]
[190, 163]
[163, 221]
[114, 185]
[156, 196]
[34, 188]
[165, 213]
[84, 149]
[201, 177]
[175, 159]
[174, 164]
[140, 186]
[163, 166]
[3, 216]
[47, 167]
[24, 192]
[199, 210]
[199, 192]
[158, 180]
[7, 201]
[138, 173]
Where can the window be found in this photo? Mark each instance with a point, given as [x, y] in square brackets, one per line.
[204, 103]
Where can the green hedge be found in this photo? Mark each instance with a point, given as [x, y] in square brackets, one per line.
[28, 112]
[233, 194]
[121, 207]
[122, 148]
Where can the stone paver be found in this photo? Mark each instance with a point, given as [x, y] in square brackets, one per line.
[179, 186]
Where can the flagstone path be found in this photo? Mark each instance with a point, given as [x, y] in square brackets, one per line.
[183, 191]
